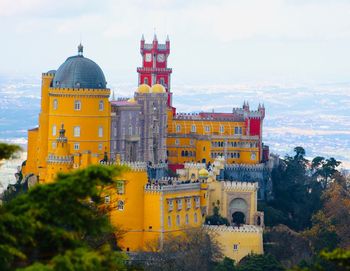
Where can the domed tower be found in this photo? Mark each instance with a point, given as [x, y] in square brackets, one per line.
[76, 96]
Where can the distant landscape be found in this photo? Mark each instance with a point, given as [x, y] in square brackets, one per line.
[313, 116]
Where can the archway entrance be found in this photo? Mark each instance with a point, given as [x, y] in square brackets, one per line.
[238, 210]
[238, 218]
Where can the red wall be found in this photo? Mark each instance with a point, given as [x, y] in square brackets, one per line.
[255, 127]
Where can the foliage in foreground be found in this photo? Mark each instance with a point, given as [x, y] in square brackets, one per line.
[56, 227]
[192, 249]
[8, 150]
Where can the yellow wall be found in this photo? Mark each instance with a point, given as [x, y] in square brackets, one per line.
[201, 143]
[131, 219]
[247, 242]
[89, 118]
[32, 153]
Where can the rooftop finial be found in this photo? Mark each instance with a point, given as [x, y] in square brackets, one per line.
[80, 49]
[142, 38]
[167, 38]
[155, 35]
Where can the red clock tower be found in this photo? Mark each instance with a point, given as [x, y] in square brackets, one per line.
[154, 68]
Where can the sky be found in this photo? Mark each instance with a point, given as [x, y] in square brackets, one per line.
[212, 42]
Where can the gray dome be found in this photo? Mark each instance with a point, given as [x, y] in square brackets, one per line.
[79, 72]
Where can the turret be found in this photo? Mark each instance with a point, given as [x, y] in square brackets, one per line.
[246, 106]
[167, 42]
[155, 41]
[142, 43]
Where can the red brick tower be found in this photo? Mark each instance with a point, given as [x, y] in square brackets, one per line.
[154, 68]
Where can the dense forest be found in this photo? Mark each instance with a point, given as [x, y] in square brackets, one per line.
[306, 225]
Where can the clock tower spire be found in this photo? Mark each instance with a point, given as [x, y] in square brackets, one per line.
[154, 68]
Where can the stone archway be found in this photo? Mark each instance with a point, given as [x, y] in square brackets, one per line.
[238, 209]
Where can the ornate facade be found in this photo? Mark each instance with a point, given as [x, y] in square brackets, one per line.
[211, 153]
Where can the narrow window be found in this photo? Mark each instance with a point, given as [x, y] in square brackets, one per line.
[120, 187]
[100, 131]
[162, 81]
[55, 104]
[169, 221]
[186, 219]
[177, 142]
[115, 131]
[100, 106]
[77, 105]
[76, 131]
[54, 130]
[178, 128]
[178, 220]
[207, 129]
[193, 128]
[145, 80]
[76, 146]
[222, 129]
[195, 218]
[100, 146]
[107, 199]
[120, 205]
[54, 145]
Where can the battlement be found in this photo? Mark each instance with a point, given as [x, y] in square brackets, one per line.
[246, 186]
[245, 167]
[175, 186]
[241, 229]
[194, 165]
[134, 166]
[68, 159]
[79, 91]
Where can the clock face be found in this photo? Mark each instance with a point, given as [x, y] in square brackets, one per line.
[161, 58]
[148, 57]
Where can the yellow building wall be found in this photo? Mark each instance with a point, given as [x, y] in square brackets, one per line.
[43, 126]
[32, 153]
[184, 139]
[247, 243]
[131, 219]
[89, 118]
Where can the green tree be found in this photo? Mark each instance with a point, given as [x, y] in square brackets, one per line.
[216, 218]
[336, 260]
[256, 262]
[60, 224]
[8, 150]
[227, 264]
[322, 234]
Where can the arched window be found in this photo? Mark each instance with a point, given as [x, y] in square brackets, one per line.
[54, 130]
[169, 221]
[186, 153]
[55, 104]
[76, 131]
[182, 153]
[145, 80]
[101, 106]
[77, 105]
[130, 130]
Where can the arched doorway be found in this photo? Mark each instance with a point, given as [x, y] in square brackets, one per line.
[238, 209]
[238, 218]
